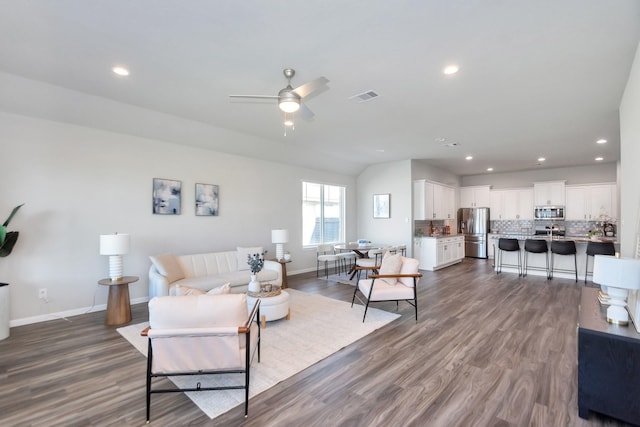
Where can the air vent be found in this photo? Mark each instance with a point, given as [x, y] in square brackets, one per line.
[364, 96]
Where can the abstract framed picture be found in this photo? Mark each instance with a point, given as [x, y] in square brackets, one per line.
[167, 195]
[207, 200]
[382, 205]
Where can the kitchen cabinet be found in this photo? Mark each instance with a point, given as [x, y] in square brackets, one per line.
[434, 253]
[550, 193]
[512, 204]
[475, 197]
[433, 201]
[588, 202]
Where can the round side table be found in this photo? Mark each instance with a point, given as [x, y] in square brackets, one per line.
[118, 304]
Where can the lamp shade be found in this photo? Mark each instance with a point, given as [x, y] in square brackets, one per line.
[279, 236]
[114, 244]
[623, 273]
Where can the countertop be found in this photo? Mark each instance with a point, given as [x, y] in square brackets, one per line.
[439, 236]
[577, 239]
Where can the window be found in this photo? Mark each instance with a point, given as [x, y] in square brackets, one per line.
[322, 214]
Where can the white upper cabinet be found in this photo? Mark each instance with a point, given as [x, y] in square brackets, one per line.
[588, 202]
[433, 201]
[475, 197]
[550, 193]
[511, 204]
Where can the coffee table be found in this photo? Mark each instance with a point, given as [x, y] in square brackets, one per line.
[272, 307]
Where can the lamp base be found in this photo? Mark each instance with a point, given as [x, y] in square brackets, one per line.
[115, 267]
[279, 251]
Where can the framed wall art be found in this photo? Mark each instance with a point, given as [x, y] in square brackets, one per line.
[167, 194]
[206, 200]
[382, 205]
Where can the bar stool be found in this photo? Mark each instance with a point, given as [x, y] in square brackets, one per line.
[535, 246]
[508, 245]
[563, 247]
[597, 248]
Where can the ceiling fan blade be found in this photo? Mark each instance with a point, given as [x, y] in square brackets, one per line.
[312, 86]
[254, 96]
[305, 112]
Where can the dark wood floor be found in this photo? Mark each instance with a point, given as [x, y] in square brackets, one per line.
[487, 351]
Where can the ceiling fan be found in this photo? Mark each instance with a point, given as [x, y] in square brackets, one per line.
[290, 99]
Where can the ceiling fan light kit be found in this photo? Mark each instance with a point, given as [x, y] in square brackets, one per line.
[289, 98]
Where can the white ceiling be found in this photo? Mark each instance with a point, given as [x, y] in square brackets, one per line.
[537, 78]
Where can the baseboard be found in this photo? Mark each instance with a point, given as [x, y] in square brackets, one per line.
[66, 313]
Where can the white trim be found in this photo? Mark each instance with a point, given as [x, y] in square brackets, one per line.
[65, 314]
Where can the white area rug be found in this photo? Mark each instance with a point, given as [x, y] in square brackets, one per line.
[319, 327]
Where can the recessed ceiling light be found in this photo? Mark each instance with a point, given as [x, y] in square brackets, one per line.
[489, 169]
[450, 69]
[121, 71]
[380, 150]
[599, 159]
[601, 141]
[288, 123]
[469, 158]
[541, 159]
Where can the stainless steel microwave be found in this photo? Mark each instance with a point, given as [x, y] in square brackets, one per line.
[548, 212]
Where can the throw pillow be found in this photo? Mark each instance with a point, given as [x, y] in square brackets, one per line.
[391, 264]
[243, 254]
[409, 266]
[182, 290]
[168, 266]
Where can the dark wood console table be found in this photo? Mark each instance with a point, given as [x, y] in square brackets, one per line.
[608, 363]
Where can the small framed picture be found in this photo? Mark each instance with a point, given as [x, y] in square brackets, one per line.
[382, 205]
[206, 200]
[167, 194]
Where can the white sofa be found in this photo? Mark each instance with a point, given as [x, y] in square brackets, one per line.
[207, 271]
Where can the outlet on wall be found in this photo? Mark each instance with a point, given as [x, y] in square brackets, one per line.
[42, 293]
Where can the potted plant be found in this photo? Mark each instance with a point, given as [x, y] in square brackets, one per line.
[256, 262]
[7, 242]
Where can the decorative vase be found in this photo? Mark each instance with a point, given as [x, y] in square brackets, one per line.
[254, 285]
[287, 257]
[4, 311]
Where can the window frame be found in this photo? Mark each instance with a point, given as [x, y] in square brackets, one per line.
[322, 200]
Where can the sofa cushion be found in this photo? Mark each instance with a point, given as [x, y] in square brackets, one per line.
[182, 290]
[243, 254]
[391, 264]
[168, 266]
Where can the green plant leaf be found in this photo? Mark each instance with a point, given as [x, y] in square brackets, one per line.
[9, 242]
[3, 233]
[13, 212]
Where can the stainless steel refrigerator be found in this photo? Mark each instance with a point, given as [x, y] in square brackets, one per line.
[473, 223]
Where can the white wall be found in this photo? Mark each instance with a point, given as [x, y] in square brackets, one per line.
[421, 169]
[78, 183]
[630, 158]
[393, 178]
[573, 175]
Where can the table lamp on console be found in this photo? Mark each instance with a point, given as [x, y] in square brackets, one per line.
[115, 245]
[618, 275]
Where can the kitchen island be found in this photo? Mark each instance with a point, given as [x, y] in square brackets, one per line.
[563, 264]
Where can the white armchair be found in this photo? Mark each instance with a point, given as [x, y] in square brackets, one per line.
[201, 335]
[397, 280]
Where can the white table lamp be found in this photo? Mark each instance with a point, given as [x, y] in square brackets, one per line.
[279, 237]
[114, 245]
[618, 275]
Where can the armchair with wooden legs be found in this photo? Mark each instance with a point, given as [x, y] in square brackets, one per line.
[397, 280]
